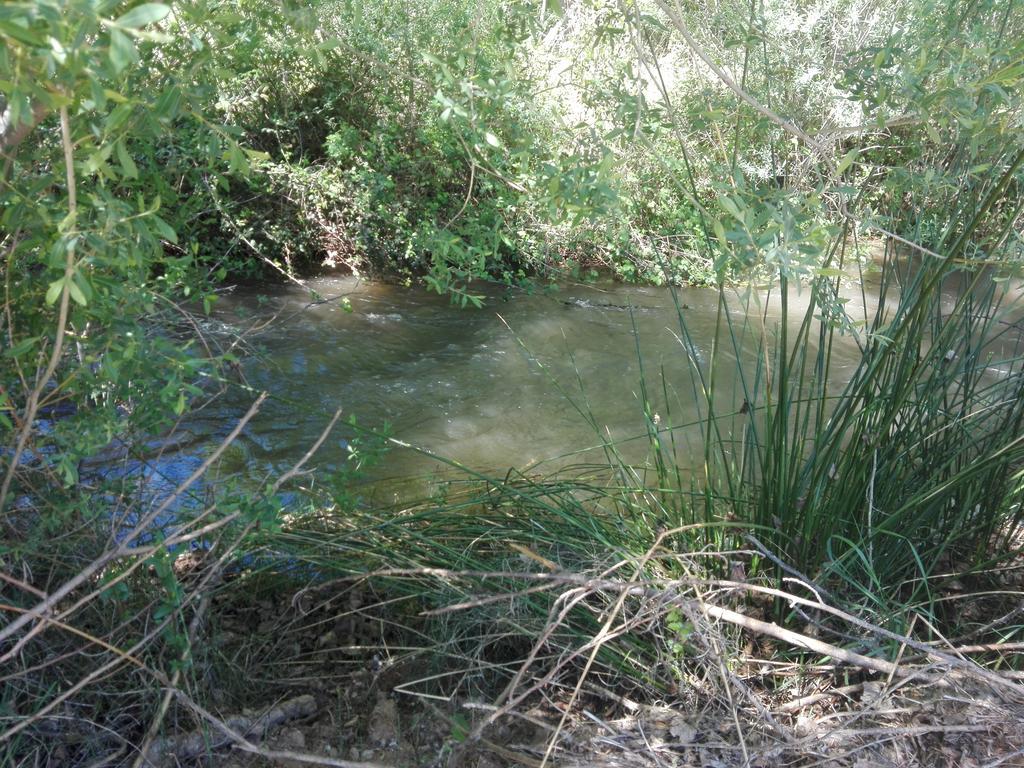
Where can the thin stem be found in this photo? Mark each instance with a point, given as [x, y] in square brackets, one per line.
[32, 405]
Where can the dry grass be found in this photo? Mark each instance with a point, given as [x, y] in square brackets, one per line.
[449, 685]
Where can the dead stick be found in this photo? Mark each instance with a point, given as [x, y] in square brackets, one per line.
[244, 744]
[187, 746]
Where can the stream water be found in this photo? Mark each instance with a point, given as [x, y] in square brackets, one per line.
[535, 381]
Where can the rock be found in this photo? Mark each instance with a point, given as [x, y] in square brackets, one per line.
[681, 730]
[383, 728]
[292, 738]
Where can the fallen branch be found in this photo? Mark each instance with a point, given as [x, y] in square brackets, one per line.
[801, 641]
[241, 742]
[664, 589]
[187, 746]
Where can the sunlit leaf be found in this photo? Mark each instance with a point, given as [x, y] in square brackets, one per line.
[118, 117]
[719, 232]
[847, 160]
[54, 291]
[76, 293]
[141, 15]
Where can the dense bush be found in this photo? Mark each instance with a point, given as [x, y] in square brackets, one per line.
[494, 141]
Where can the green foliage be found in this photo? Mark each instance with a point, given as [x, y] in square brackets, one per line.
[82, 263]
[902, 474]
[409, 142]
[959, 75]
[108, 154]
[410, 180]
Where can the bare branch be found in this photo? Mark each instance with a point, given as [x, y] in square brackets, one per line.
[40, 610]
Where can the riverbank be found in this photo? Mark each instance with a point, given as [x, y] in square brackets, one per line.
[740, 560]
[473, 647]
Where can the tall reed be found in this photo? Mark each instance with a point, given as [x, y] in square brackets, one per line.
[909, 469]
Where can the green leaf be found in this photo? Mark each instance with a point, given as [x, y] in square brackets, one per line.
[164, 229]
[141, 15]
[22, 35]
[99, 97]
[23, 346]
[460, 727]
[128, 167]
[720, 232]
[118, 116]
[166, 107]
[730, 206]
[237, 161]
[54, 291]
[847, 161]
[122, 50]
[68, 470]
[1008, 74]
[81, 284]
[76, 293]
[67, 223]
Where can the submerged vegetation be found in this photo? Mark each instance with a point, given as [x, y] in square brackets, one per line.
[864, 524]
